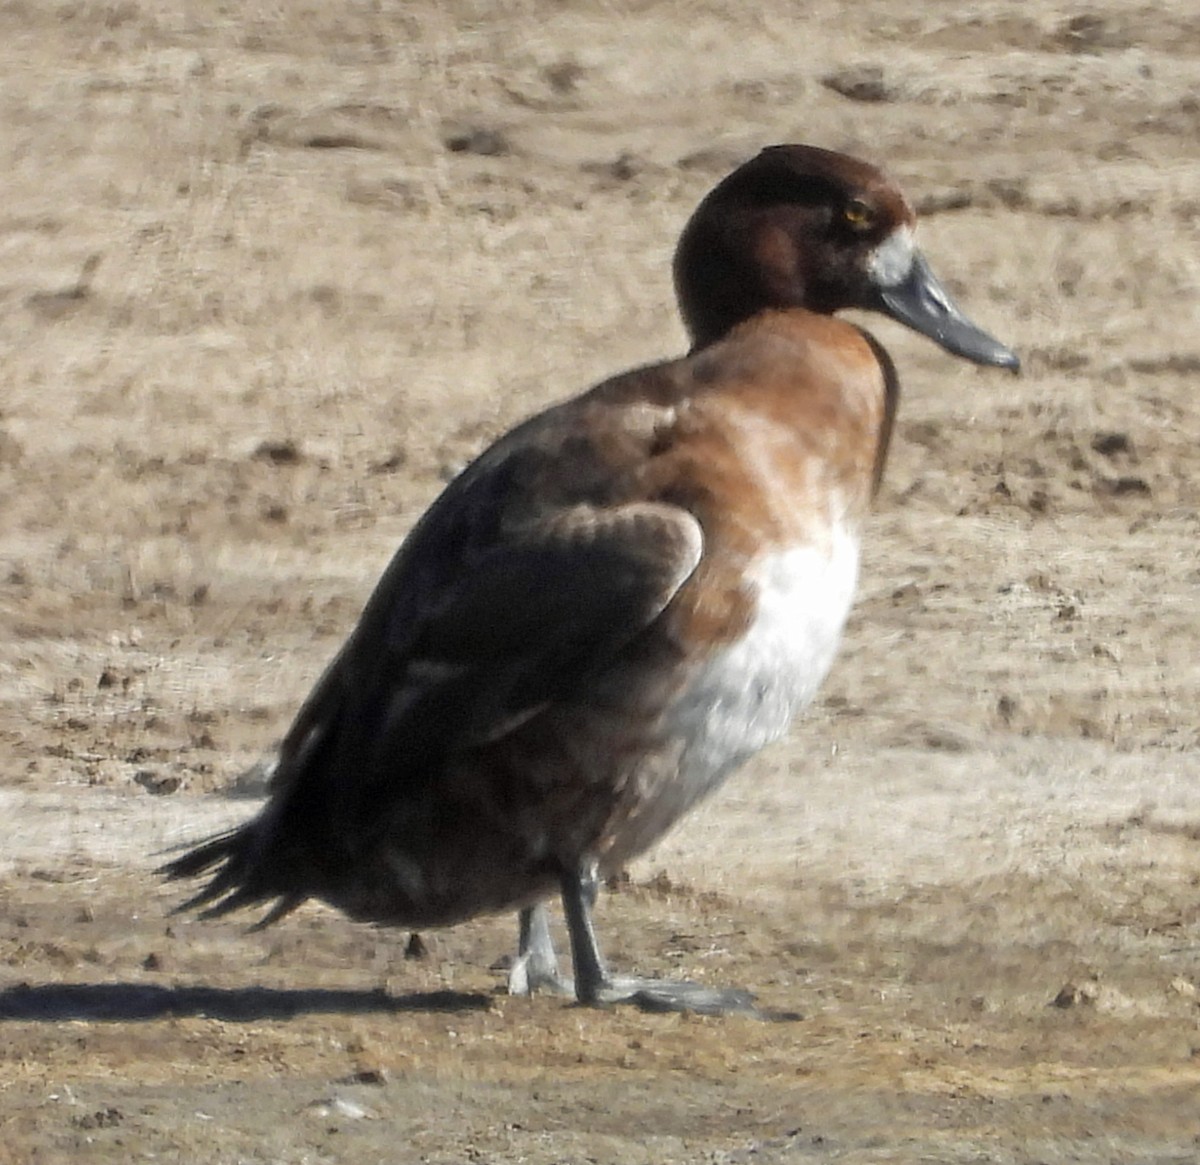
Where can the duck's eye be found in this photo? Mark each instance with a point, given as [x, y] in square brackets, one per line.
[858, 215]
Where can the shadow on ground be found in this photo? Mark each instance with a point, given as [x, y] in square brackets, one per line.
[139, 1001]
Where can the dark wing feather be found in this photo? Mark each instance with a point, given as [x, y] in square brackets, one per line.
[537, 615]
[523, 626]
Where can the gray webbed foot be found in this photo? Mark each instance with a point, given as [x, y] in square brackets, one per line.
[594, 986]
[667, 995]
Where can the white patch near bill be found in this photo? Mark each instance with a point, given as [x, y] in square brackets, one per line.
[892, 260]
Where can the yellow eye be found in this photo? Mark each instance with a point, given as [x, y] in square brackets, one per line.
[858, 215]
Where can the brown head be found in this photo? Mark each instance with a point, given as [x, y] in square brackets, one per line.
[801, 227]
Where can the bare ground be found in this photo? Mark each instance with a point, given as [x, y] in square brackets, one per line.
[270, 273]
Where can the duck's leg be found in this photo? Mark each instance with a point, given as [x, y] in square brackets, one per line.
[594, 985]
[536, 965]
[579, 890]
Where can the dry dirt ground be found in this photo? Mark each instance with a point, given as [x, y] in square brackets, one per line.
[270, 272]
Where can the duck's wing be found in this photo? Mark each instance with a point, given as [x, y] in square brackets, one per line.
[460, 645]
[540, 612]
[499, 604]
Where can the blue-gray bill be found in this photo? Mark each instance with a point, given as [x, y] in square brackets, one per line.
[923, 304]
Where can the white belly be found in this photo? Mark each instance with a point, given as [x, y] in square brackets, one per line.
[749, 692]
[652, 769]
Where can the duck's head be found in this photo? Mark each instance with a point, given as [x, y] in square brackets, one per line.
[798, 226]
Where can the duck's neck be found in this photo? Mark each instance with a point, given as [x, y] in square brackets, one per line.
[813, 372]
[720, 287]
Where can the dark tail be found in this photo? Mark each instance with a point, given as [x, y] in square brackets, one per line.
[236, 880]
[274, 856]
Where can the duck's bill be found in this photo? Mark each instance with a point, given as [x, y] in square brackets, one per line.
[921, 302]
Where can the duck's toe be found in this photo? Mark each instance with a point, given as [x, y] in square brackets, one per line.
[669, 995]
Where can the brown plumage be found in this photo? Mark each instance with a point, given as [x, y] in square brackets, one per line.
[616, 604]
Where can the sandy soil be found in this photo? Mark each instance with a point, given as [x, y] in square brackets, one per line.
[270, 272]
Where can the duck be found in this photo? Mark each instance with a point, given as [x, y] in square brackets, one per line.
[614, 606]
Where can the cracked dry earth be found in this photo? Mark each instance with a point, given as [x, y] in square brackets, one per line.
[270, 273]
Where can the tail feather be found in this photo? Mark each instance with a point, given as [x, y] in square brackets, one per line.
[200, 857]
[273, 858]
[236, 881]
